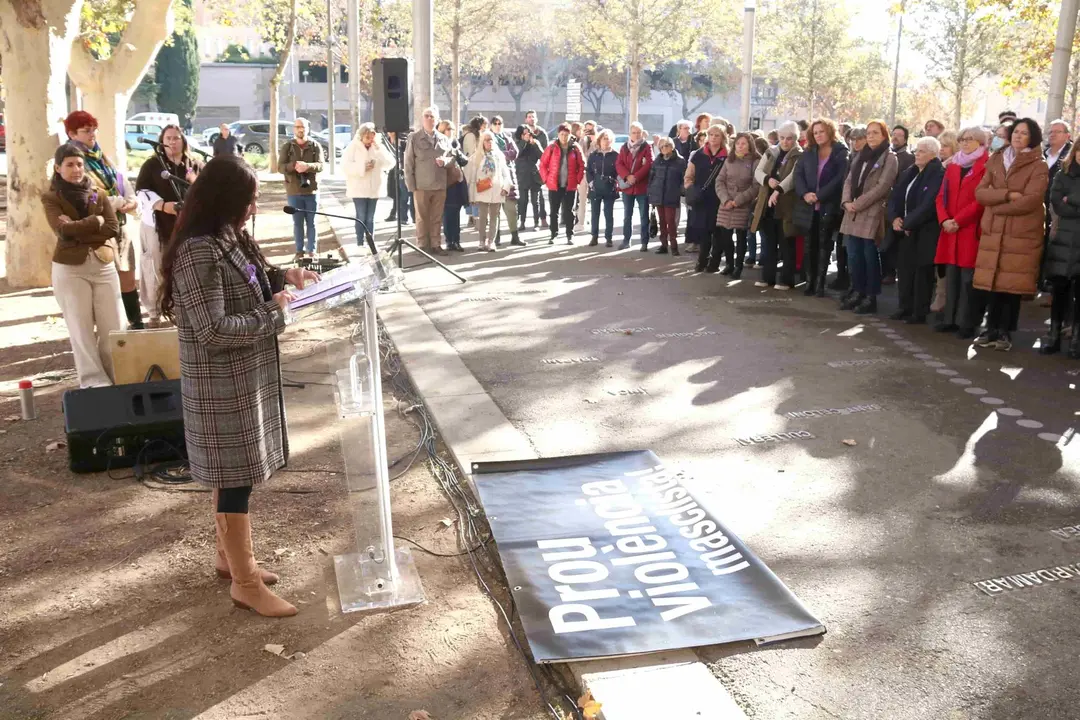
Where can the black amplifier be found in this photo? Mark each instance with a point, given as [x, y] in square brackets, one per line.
[118, 426]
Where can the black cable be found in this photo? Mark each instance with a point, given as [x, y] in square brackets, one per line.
[437, 554]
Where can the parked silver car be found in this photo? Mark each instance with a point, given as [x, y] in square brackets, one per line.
[254, 135]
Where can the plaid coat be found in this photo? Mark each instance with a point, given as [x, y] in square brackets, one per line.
[234, 413]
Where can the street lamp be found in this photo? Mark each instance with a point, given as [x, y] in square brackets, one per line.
[748, 62]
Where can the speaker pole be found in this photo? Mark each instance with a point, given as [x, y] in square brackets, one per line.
[399, 241]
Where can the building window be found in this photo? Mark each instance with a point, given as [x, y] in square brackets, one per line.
[311, 72]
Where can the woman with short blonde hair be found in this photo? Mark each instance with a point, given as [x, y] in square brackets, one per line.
[363, 163]
[949, 145]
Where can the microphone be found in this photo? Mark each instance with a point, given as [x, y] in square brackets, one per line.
[166, 175]
[148, 141]
[290, 210]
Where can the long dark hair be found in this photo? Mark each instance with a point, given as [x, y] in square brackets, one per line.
[183, 139]
[216, 205]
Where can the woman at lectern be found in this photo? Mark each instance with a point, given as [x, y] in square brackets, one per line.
[228, 305]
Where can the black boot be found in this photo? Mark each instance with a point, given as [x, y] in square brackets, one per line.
[594, 242]
[1052, 342]
[737, 272]
[132, 309]
[868, 306]
[822, 273]
[850, 300]
[515, 239]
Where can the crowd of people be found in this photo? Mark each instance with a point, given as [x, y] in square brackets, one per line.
[967, 223]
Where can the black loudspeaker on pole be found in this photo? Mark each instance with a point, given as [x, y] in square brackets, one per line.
[391, 90]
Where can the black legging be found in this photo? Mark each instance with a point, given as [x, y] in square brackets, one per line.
[523, 205]
[233, 500]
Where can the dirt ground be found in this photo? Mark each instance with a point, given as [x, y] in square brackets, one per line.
[110, 604]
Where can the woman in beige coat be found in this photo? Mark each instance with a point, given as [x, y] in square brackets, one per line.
[775, 205]
[1007, 267]
[866, 190]
[736, 188]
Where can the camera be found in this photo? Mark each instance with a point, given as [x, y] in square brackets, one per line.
[305, 181]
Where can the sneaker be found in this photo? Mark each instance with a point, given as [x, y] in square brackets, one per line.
[489, 249]
[987, 339]
[1003, 343]
[781, 287]
[625, 245]
[761, 283]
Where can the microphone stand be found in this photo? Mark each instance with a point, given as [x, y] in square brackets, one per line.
[399, 241]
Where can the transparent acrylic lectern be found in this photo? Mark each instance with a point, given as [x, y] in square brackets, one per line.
[377, 575]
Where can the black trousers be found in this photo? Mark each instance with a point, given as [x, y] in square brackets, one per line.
[562, 199]
[734, 252]
[1002, 310]
[523, 205]
[890, 258]
[710, 249]
[818, 247]
[958, 290]
[915, 282]
[233, 500]
[776, 247]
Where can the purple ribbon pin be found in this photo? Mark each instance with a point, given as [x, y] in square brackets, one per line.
[253, 279]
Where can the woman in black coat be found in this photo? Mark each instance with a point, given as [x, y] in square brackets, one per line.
[819, 185]
[527, 165]
[699, 185]
[665, 192]
[913, 217]
[1062, 262]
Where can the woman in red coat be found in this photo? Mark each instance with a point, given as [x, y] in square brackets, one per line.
[960, 214]
[562, 168]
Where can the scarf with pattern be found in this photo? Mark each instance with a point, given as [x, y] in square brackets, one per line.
[100, 167]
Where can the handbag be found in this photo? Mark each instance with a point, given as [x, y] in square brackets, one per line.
[483, 184]
[604, 186]
[695, 195]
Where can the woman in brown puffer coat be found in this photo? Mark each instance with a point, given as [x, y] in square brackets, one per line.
[736, 188]
[1007, 266]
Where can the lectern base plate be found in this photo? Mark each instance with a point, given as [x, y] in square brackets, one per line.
[364, 584]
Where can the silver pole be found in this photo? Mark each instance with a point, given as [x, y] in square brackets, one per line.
[423, 52]
[354, 64]
[378, 431]
[1059, 68]
[331, 80]
[747, 63]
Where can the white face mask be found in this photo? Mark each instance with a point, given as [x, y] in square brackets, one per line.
[997, 143]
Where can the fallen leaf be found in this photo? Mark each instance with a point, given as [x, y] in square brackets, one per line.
[281, 551]
[13, 418]
[297, 656]
[57, 445]
[591, 401]
[589, 707]
[274, 649]
[628, 332]
[849, 442]
[323, 551]
[419, 715]
[446, 522]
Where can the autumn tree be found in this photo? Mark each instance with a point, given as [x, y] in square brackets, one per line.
[639, 34]
[804, 50]
[118, 41]
[468, 36]
[960, 45]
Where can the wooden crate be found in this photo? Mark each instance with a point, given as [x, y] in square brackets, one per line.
[134, 351]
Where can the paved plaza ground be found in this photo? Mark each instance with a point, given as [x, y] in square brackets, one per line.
[944, 467]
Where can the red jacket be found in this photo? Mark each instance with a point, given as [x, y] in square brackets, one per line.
[956, 201]
[549, 166]
[638, 166]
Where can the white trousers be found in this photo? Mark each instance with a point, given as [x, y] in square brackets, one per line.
[89, 298]
[150, 271]
[583, 202]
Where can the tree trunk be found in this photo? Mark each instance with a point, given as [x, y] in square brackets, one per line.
[107, 85]
[275, 85]
[35, 42]
[635, 84]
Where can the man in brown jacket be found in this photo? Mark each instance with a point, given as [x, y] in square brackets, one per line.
[427, 153]
[300, 161]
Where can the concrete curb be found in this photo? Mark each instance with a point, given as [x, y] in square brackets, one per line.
[671, 685]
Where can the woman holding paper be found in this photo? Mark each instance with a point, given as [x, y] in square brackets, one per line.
[228, 305]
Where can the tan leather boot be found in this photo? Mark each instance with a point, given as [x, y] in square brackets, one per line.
[248, 590]
[221, 564]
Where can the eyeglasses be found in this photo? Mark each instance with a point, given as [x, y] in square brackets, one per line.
[497, 122]
[968, 138]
